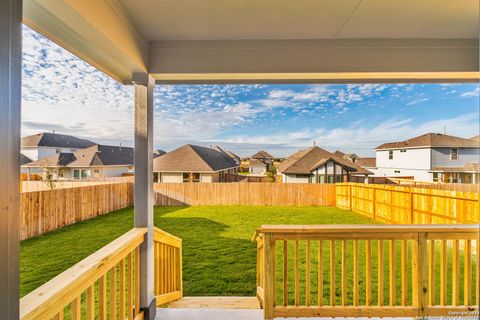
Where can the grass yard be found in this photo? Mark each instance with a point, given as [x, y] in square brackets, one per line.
[218, 255]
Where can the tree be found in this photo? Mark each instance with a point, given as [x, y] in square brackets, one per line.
[271, 174]
[50, 175]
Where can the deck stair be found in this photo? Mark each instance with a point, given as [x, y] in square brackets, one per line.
[212, 308]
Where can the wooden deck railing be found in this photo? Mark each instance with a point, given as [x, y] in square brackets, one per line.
[105, 285]
[368, 270]
[168, 285]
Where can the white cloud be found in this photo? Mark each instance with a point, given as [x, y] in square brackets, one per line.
[360, 137]
[417, 101]
[469, 94]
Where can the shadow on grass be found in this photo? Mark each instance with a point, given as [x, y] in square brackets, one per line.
[212, 265]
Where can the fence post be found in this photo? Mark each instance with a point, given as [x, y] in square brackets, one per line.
[374, 203]
[419, 273]
[269, 274]
[351, 198]
[410, 193]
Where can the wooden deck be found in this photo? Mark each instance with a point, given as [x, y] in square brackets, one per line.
[216, 303]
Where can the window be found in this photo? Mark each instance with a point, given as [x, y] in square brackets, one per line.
[396, 171]
[191, 177]
[454, 154]
[85, 174]
[339, 178]
[403, 150]
[390, 154]
[435, 177]
[81, 174]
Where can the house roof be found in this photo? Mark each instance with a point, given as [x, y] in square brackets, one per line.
[228, 153]
[192, 158]
[46, 139]
[101, 155]
[366, 162]
[476, 138]
[468, 167]
[430, 140]
[262, 155]
[257, 162]
[157, 153]
[24, 159]
[305, 161]
[57, 160]
[97, 155]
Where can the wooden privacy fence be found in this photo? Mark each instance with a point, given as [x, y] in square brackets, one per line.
[168, 284]
[45, 211]
[248, 194]
[368, 270]
[407, 205]
[105, 285]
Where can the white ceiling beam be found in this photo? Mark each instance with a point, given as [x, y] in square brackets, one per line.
[97, 31]
[321, 61]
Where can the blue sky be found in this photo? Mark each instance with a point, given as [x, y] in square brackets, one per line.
[65, 94]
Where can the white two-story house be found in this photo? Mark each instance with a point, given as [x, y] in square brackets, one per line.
[432, 157]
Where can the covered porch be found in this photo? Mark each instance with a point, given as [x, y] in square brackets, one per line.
[147, 42]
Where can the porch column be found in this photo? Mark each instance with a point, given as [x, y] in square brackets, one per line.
[144, 85]
[10, 84]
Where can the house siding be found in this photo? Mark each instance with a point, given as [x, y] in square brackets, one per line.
[168, 177]
[441, 157]
[255, 169]
[411, 163]
[206, 177]
[292, 178]
[418, 163]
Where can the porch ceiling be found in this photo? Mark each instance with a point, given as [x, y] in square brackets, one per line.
[268, 41]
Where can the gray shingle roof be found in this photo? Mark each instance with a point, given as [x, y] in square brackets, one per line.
[24, 159]
[192, 158]
[97, 155]
[55, 140]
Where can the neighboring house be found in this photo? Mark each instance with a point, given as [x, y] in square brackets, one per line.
[192, 163]
[46, 144]
[97, 161]
[157, 153]
[260, 163]
[229, 153]
[317, 165]
[366, 163]
[347, 156]
[432, 157]
[24, 160]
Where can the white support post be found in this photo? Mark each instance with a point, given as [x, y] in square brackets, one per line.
[144, 85]
[10, 97]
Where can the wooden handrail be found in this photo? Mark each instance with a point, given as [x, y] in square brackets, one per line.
[402, 250]
[50, 299]
[368, 228]
[168, 282]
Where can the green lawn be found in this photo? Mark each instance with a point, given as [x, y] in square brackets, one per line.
[218, 255]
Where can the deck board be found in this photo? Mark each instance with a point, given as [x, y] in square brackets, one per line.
[216, 303]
